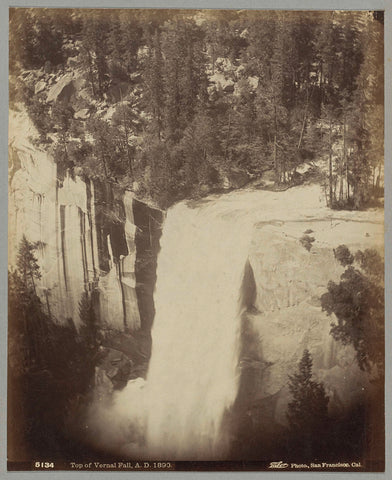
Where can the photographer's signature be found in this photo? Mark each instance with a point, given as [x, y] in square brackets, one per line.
[278, 465]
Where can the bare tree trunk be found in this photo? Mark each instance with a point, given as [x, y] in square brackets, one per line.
[345, 160]
[47, 303]
[91, 73]
[304, 120]
[341, 165]
[276, 163]
[275, 160]
[228, 138]
[330, 165]
[105, 168]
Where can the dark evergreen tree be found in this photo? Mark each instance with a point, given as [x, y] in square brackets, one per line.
[27, 265]
[307, 412]
[153, 81]
[89, 325]
[343, 255]
[34, 39]
[358, 304]
[94, 51]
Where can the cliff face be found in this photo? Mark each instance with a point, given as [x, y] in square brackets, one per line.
[285, 315]
[90, 236]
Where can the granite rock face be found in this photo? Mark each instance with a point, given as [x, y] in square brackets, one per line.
[62, 89]
[284, 315]
[91, 237]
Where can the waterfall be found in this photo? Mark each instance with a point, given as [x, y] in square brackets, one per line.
[192, 377]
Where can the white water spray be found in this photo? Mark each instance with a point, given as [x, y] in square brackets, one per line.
[192, 376]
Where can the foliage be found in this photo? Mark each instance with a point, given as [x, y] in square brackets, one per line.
[51, 366]
[358, 305]
[35, 38]
[308, 409]
[27, 266]
[221, 91]
[89, 330]
[38, 111]
[307, 412]
[371, 263]
[343, 255]
[307, 242]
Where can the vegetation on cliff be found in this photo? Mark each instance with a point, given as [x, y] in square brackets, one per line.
[307, 413]
[50, 367]
[358, 304]
[174, 104]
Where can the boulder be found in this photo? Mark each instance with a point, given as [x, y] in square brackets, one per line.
[116, 366]
[61, 90]
[79, 83]
[48, 67]
[30, 80]
[39, 87]
[135, 347]
[229, 88]
[83, 114]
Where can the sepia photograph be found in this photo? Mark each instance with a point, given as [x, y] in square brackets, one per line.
[196, 240]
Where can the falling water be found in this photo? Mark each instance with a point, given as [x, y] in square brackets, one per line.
[192, 377]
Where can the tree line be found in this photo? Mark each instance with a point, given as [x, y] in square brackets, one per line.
[294, 87]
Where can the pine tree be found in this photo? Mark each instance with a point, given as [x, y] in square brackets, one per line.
[94, 51]
[308, 411]
[153, 82]
[116, 49]
[34, 39]
[50, 369]
[89, 326]
[27, 264]
[126, 121]
[173, 117]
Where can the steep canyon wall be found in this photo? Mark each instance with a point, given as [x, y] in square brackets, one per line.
[90, 236]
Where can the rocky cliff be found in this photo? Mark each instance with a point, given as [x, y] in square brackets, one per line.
[90, 236]
[283, 285]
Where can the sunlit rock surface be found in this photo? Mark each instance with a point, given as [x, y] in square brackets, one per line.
[288, 316]
[86, 233]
